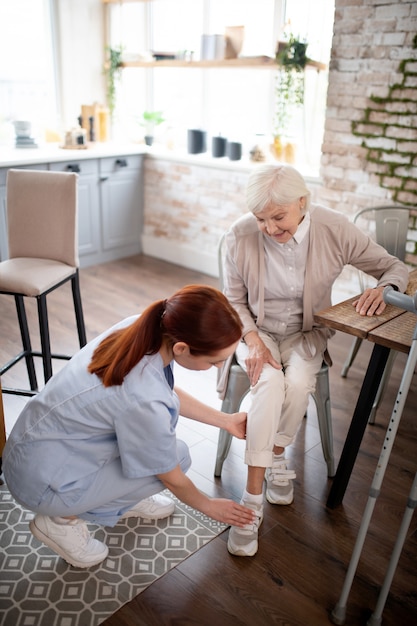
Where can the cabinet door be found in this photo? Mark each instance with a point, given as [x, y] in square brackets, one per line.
[88, 202]
[121, 202]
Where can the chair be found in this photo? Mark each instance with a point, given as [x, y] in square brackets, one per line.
[43, 255]
[2, 431]
[238, 387]
[390, 228]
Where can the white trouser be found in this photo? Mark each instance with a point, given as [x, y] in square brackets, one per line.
[279, 399]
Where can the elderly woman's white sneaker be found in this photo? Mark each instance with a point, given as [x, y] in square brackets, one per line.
[244, 541]
[71, 540]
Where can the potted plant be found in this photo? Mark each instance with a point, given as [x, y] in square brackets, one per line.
[150, 119]
[291, 58]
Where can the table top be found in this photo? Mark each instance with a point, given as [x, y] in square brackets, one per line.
[393, 329]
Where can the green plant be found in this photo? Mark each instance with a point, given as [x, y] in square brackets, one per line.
[291, 58]
[152, 119]
[113, 71]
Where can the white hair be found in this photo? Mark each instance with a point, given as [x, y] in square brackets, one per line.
[277, 184]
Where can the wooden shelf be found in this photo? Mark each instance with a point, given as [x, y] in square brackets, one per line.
[261, 62]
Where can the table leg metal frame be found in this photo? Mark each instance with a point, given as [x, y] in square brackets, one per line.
[339, 612]
[358, 424]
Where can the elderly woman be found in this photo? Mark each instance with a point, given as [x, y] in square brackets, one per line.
[281, 261]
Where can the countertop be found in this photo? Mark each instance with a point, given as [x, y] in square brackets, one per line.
[52, 153]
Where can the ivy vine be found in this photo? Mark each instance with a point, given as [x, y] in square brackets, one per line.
[113, 72]
[291, 58]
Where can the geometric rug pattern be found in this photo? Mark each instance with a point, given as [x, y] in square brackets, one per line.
[38, 588]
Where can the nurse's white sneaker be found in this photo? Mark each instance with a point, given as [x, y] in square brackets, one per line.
[155, 507]
[279, 482]
[244, 541]
[71, 540]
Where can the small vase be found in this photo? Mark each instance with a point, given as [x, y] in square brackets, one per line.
[277, 148]
[148, 140]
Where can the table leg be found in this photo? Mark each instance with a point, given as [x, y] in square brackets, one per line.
[358, 424]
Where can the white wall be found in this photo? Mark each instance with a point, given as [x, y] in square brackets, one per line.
[81, 55]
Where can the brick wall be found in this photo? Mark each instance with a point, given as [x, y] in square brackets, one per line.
[369, 153]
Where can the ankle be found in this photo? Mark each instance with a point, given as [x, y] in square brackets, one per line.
[251, 497]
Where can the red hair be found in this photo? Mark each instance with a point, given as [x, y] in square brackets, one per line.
[197, 315]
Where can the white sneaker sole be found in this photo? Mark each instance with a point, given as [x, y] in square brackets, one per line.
[282, 501]
[36, 532]
[241, 551]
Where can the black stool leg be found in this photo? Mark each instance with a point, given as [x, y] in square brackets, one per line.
[76, 294]
[27, 348]
[45, 341]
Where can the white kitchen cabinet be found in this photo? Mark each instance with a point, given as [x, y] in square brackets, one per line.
[121, 198]
[110, 205]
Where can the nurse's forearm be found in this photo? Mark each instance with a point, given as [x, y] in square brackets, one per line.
[185, 490]
[194, 409]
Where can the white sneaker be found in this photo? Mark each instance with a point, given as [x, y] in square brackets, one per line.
[72, 541]
[279, 485]
[155, 507]
[244, 541]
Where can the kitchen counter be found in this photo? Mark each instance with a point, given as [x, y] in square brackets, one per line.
[52, 153]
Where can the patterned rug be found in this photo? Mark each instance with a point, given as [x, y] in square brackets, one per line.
[37, 587]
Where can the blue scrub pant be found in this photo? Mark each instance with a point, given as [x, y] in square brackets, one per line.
[110, 493]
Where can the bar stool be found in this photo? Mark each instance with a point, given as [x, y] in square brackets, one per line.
[43, 255]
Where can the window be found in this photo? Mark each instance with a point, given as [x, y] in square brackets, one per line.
[27, 80]
[238, 103]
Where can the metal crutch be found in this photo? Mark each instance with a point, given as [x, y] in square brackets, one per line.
[376, 617]
[408, 303]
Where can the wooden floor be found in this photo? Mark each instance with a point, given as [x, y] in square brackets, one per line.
[297, 575]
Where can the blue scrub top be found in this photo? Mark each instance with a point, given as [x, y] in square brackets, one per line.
[75, 426]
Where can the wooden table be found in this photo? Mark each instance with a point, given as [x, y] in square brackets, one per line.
[391, 330]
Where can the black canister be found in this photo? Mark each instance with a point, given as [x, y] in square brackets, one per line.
[196, 141]
[234, 150]
[218, 146]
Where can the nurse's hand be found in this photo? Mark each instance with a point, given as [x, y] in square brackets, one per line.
[236, 425]
[371, 302]
[230, 512]
[257, 357]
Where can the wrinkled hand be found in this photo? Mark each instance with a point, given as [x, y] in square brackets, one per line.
[258, 356]
[236, 424]
[371, 302]
[230, 512]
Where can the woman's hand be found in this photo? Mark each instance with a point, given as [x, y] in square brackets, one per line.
[222, 510]
[236, 424]
[230, 512]
[371, 302]
[258, 356]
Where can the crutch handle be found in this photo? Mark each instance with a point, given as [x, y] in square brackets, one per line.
[409, 303]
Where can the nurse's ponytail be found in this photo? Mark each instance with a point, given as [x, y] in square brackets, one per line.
[197, 315]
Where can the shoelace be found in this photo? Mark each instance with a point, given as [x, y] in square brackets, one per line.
[279, 474]
[81, 529]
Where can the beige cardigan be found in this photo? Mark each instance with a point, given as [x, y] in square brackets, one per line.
[334, 242]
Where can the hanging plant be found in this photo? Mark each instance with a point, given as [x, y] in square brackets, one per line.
[113, 71]
[291, 58]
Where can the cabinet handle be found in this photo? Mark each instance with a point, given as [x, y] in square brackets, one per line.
[74, 167]
[121, 162]
[103, 178]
